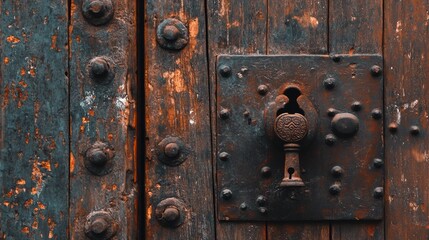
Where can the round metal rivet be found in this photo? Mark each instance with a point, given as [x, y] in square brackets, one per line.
[100, 225]
[172, 150]
[329, 83]
[99, 158]
[337, 171]
[223, 156]
[335, 189]
[414, 130]
[378, 163]
[225, 71]
[101, 70]
[378, 192]
[170, 212]
[97, 12]
[376, 113]
[226, 194]
[376, 70]
[356, 106]
[262, 90]
[345, 124]
[172, 34]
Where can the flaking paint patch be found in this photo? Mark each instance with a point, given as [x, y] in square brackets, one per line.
[72, 162]
[175, 80]
[121, 102]
[307, 20]
[89, 99]
[420, 156]
[193, 34]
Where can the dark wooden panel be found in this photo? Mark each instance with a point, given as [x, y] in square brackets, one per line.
[406, 102]
[355, 26]
[34, 136]
[298, 231]
[235, 27]
[357, 230]
[177, 104]
[103, 112]
[297, 26]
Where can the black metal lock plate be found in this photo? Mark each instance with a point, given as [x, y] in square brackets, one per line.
[341, 166]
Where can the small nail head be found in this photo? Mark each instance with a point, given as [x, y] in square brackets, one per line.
[378, 192]
[335, 189]
[393, 127]
[172, 150]
[376, 113]
[226, 194]
[414, 130]
[263, 210]
[376, 70]
[243, 206]
[336, 57]
[225, 71]
[356, 106]
[262, 89]
[261, 200]
[224, 113]
[337, 171]
[330, 139]
[329, 83]
[378, 163]
[224, 156]
[332, 112]
[266, 171]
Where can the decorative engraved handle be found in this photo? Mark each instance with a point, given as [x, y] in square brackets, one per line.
[291, 129]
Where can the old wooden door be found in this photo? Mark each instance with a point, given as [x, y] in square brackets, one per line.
[216, 119]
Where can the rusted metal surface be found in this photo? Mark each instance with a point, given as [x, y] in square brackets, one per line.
[244, 136]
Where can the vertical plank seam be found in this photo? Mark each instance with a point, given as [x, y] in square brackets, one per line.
[384, 225]
[328, 31]
[211, 120]
[69, 4]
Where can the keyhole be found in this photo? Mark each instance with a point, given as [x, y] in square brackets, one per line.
[292, 106]
[290, 171]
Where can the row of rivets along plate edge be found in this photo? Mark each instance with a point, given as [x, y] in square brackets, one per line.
[172, 34]
[99, 158]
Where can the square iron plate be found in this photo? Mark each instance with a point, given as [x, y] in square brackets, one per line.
[250, 166]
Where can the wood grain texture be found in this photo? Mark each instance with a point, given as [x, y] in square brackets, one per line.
[103, 113]
[33, 120]
[298, 231]
[177, 104]
[355, 26]
[235, 27]
[297, 26]
[406, 102]
[357, 230]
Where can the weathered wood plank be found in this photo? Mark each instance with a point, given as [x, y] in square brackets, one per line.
[235, 27]
[357, 230]
[297, 27]
[298, 231]
[34, 136]
[406, 102]
[103, 111]
[355, 26]
[177, 105]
